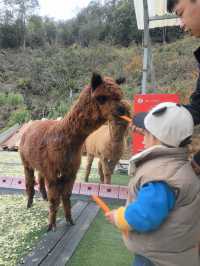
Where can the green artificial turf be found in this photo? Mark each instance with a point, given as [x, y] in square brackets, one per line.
[117, 179]
[101, 246]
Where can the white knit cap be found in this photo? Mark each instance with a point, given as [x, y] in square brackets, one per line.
[169, 122]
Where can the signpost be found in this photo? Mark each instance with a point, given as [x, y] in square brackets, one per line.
[143, 103]
[151, 14]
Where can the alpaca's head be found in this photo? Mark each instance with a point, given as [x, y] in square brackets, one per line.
[123, 110]
[107, 94]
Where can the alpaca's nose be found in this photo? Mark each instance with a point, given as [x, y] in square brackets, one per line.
[120, 111]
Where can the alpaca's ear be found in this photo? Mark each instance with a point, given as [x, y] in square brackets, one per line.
[96, 81]
[120, 80]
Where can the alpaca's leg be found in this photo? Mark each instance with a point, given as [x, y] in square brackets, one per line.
[100, 171]
[90, 159]
[112, 165]
[53, 193]
[106, 171]
[66, 194]
[41, 182]
[30, 182]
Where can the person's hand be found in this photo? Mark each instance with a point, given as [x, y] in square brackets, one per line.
[110, 216]
[137, 129]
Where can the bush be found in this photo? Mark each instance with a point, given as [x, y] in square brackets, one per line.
[23, 84]
[60, 110]
[19, 116]
[15, 99]
[12, 99]
[3, 99]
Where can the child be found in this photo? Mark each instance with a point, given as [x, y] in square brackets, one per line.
[161, 220]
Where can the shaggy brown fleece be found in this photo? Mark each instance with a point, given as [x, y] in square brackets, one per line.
[107, 143]
[54, 147]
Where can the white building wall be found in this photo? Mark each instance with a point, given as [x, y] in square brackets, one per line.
[156, 7]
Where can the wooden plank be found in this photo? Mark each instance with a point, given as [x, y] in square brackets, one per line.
[66, 247]
[89, 189]
[109, 191]
[8, 133]
[50, 240]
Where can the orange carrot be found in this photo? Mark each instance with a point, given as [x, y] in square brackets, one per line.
[128, 119]
[101, 203]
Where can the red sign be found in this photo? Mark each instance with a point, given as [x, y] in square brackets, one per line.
[144, 103]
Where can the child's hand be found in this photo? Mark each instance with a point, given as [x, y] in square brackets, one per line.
[110, 216]
[137, 129]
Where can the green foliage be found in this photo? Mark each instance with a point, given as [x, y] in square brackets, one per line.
[47, 77]
[50, 30]
[8, 36]
[23, 83]
[13, 99]
[3, 99]
[35, 32]
[14, 15]
[63, 108]
[112, 22]
[19, 116]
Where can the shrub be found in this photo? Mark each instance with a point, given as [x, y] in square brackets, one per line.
[12, 99]
[3, 99]
[15, 99]
[19, 116]
[60, 110]
[23, 84]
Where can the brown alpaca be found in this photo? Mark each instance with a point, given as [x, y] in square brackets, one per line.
[54, 147]
[107, 143]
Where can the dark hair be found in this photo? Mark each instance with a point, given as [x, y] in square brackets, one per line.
[196, 158]
[183, 144]
[171, 4]
[186, 142]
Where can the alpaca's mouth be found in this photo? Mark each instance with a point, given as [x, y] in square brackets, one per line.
[126, 118]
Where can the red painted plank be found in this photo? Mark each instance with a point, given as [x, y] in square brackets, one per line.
[18, 183]
[76, 188]
[89, 189]
[109, 191]
[123, 192]
[5, 182]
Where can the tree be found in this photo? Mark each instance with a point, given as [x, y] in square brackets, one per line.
[21, 10]
[35, 36]
[50, 27]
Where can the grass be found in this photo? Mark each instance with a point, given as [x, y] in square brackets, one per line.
[10, 165]
[102, 245]
[117, 179]
[20, 228]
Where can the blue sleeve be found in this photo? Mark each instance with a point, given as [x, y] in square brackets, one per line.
[153, 204]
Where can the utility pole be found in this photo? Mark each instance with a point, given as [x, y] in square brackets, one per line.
[146, 47]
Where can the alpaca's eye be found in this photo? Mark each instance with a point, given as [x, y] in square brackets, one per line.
[101, 99]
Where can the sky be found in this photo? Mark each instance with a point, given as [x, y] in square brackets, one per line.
[61, 9]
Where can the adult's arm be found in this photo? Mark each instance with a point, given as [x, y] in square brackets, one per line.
[194, 106]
